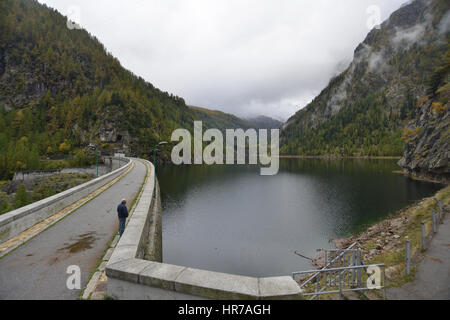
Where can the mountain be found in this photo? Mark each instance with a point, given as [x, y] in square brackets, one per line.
[63, 94]
[365, 109]
[219, 120]
[60, 90]
[263, 122]
[222, 120]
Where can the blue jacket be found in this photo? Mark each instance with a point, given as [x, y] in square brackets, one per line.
[122, 211]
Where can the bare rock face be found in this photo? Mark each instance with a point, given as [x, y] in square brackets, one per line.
[111, 129]
[427, 146]
[112, 135]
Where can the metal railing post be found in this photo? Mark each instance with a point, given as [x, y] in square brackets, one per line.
[358, 272]
[318, 286]
[353, 271]
[340, 287]
[441, 211]
[434, 221]
[408, 257]
[423, 236]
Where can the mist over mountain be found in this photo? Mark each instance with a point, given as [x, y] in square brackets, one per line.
[263, 122]
[219, 120]
[365, 109]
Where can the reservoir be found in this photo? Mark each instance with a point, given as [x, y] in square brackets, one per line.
[230, 219]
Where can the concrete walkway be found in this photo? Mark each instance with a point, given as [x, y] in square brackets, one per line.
[37, 270]
[433, 275]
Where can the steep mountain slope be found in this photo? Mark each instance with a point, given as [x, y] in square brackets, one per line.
[364, 110]
[60, 90]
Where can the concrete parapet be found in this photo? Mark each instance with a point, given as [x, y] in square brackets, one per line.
[136, 271]
[17, 221]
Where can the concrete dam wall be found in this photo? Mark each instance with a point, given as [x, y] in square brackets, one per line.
[17, 221]
[136, 271]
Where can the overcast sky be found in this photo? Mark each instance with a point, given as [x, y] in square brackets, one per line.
[247, 57]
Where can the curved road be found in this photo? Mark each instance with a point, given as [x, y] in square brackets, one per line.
[37, 270]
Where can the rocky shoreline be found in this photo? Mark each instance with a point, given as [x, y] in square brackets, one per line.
[384, 242]
[427, 176]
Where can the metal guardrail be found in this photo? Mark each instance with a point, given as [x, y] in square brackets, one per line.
[340, 280]
[327, 265]
[437, 218]
[343, 272]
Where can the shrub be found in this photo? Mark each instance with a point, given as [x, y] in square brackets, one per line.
[80, 159]
[438, 108]
[64, 147]
[22, 198]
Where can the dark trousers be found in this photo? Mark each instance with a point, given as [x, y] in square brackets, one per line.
[122, 225]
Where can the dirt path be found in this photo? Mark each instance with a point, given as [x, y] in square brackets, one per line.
[432, 281]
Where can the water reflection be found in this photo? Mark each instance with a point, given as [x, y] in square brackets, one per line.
[231, 219]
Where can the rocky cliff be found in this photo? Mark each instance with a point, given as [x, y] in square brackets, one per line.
[427, 138]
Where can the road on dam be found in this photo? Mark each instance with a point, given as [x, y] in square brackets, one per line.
[38, 269]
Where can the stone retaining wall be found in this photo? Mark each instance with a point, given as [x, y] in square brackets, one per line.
[136, 271]
[17, 221]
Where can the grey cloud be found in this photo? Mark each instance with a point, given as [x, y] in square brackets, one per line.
[245, 57]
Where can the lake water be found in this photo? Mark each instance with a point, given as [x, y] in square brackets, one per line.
[230, 219]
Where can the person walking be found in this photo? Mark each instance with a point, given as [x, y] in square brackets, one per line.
[122, 212]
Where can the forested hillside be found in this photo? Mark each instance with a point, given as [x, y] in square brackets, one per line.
[61, 91]
[62, 94]
[364, 110]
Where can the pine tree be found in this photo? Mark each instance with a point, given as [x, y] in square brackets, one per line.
[22, 198]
